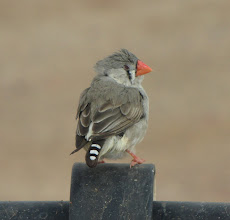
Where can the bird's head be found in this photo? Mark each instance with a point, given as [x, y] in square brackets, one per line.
[124, 67]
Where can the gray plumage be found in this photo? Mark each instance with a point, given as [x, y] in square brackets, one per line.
[114, 108]
[115, 61]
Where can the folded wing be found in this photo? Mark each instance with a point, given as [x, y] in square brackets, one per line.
[106, 119]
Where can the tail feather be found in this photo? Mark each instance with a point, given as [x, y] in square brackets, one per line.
[80, 143]
[76, 150]
[92, 154]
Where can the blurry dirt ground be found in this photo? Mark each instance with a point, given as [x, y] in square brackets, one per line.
[47, 53]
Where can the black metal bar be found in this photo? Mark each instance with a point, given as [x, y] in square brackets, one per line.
[161, 210]
[34, 210]
[191, 210]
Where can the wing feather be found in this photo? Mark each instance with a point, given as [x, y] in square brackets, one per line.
[103, 125]
[125, 108]
[84, 118]
[101, 116]
[122, 118]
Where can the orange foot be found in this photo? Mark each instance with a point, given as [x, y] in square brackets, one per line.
[136, 159]
[102, 161]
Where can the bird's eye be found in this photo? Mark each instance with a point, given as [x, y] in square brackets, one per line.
[126, 67]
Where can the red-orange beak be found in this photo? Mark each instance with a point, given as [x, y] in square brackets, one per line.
[142, 68]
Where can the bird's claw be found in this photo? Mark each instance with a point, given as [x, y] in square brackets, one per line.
[135, 161]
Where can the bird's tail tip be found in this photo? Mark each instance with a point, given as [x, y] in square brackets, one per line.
[74, 151]
[92, 155]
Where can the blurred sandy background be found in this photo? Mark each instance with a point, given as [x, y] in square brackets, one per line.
[47, 53]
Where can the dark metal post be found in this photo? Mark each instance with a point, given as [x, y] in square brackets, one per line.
[111, 191]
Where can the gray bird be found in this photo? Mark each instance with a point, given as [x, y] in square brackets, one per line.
[113, 112]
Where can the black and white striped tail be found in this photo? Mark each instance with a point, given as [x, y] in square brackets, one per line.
[92, 154]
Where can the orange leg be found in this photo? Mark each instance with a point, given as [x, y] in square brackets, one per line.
[136, 159]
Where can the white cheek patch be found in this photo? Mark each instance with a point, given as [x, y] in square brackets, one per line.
[97, 146]
[133, 75]
[133, 72]
[94, 152]
[92, 158]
